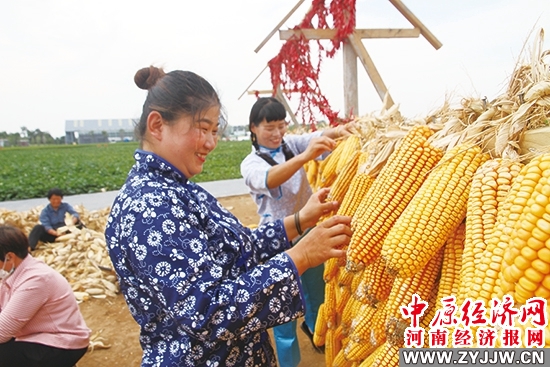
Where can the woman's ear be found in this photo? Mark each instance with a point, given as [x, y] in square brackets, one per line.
[155, 124]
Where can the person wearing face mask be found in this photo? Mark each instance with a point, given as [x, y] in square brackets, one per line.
[274, 173]
[40, 322]
[204, 288]
[52, 217]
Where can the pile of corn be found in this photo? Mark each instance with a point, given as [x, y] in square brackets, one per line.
[80, 256]
[456, 204]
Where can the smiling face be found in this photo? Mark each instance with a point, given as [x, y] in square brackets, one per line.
[186, 142]
[270, 134]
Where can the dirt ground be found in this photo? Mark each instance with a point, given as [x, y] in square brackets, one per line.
[112, 320]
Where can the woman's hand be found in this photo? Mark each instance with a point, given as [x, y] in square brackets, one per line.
[318, 146]
[316, 207]
[323, 242]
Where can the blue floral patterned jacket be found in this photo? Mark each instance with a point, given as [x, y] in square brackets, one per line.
[203, 288]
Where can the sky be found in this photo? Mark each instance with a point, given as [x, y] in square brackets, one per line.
[76, 59]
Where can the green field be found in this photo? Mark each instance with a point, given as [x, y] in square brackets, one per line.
[29, 172]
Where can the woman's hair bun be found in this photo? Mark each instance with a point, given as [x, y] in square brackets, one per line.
[146, 78]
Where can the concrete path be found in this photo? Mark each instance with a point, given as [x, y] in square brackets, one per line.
[102, 200]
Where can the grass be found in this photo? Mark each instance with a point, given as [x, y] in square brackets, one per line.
[29, 172]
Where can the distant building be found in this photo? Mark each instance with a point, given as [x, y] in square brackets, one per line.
[98, 131]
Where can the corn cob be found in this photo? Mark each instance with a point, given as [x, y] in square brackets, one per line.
[367, 333]
[488, 196]
[351, 145]
[343, 180]
[433, 306]
[358, 276]
[330, 304]
[421, 283]
[340, 360]
[376, 283]
[389, 194]
[526, 262]
[372, 357]
[434, 212]
[328, 167]
[451, 264]
[342, 300]
[358, 187]
[331, 269]
[320, 327]
[332, 346]
[312, 170]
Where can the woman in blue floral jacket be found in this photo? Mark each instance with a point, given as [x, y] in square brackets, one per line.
[203, 288]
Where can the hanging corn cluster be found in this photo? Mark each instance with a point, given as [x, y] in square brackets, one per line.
[474, 225]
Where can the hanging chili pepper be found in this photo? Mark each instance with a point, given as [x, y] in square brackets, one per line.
[293, 70]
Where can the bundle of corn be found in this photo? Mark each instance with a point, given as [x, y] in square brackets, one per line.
[434, 212]
[525, 271]
[80, 256]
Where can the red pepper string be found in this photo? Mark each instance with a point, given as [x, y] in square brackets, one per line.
[293, 70]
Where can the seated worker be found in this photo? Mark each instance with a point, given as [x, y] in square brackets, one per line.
[52, 217]
[40, 322]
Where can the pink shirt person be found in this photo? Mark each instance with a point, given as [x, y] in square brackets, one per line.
[37, 305]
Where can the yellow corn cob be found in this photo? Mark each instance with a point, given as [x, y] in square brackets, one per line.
[367, 332]
[490, 187]
[363, 158]
[331, 269]
[330, 303]
[526, 262]
[320, 327]
[422, 283]
[332, 346]
[360, 325]
[343, 180]
[343, 299]
[508, 214]
[451, 264]
[349, 313]
[358, 187]
[394, 164]
[340, 360]
[312, 170]
[434, 212]
[351, 144]
[357, 277]
[433, 306]
[372, 357]
[389, 194]
[344, 277]
[376, 283]
[328, 166]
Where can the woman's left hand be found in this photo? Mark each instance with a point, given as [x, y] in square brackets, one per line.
[345, 130]
[316, 207]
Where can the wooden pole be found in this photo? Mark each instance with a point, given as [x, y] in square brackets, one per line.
[417, 23]
[374, 76]
[351, 99]
[278, 26]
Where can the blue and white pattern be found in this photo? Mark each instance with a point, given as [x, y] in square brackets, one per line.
[203, 287]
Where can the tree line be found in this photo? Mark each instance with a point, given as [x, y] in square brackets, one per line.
[30, 137]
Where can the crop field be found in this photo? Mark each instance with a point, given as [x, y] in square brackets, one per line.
[29, 172]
